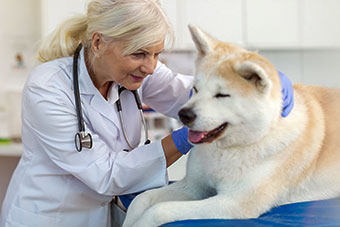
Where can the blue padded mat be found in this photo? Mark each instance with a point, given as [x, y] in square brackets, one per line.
[323, 213]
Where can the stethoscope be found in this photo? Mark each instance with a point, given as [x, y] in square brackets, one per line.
[85, 140]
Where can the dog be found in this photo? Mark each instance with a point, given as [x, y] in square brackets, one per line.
[247, 158]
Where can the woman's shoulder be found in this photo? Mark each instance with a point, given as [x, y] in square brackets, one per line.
[51, 73]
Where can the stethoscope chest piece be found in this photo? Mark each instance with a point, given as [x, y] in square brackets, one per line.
[82, 140]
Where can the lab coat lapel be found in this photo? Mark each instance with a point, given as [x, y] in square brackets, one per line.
[106, 109]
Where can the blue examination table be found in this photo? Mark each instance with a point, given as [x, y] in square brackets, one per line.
[323, 213]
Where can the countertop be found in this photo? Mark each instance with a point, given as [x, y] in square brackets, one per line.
[11, 149]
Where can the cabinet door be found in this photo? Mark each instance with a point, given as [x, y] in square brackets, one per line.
[321, 23]
[272, 23]
[220, 18]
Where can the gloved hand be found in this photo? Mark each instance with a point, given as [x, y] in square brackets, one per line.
[287, 95]
[180, 138]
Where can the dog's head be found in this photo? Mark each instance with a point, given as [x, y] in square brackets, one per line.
[237, 94]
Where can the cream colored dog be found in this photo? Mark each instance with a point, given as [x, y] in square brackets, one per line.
[248, 158]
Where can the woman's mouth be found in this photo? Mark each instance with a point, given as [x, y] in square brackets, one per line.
[136, 78]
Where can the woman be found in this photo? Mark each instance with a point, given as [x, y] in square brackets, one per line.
[54, 185]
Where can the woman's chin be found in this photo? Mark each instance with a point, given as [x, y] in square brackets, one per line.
[132, 86]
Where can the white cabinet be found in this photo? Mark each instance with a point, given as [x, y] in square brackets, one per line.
[267, 24]
[302, 24]
[261, 24]
[320, 23]
[272, 23]
[221, 18]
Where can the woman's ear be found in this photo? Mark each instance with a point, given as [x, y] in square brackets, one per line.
[96, 43]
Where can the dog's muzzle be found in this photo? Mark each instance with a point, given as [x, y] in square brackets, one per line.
[188, 116]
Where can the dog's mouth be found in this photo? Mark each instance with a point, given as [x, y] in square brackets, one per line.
[206, 136]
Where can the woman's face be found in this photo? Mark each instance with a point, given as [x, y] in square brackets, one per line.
[129, 70]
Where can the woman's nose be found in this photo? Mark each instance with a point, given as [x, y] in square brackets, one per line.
[149, 65]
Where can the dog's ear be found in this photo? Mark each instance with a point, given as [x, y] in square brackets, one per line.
[203, 41]
[254, 73]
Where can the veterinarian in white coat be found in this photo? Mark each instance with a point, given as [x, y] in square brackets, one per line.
[54, 184]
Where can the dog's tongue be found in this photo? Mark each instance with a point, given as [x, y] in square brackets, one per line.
[195, 136]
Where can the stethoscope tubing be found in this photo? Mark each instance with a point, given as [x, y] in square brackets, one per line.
[81, 124]
[140, 110]
[81, 139]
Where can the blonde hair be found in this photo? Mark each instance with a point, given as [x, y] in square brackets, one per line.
[140, 23]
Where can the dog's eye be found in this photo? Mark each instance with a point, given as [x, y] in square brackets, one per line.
[251, 76]
[220, 95]
[195, 89]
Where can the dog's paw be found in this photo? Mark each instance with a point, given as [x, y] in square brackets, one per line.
[155, 216]
[137, 207]
[150, 219]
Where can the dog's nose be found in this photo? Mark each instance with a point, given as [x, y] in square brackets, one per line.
[186, 115]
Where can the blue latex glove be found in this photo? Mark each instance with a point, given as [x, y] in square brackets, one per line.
[287, 95]
[180, 138]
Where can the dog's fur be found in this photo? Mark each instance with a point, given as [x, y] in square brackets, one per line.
[260, 159]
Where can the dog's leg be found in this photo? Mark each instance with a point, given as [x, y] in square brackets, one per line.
[211, 208]
[248, 202]
[174, 192]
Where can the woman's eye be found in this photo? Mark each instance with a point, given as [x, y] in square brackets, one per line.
[221, 95]
[138, 55]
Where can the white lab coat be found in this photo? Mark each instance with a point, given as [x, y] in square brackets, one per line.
[54, 185]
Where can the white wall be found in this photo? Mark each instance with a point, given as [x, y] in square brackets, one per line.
[55, 11]
[19, 32]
